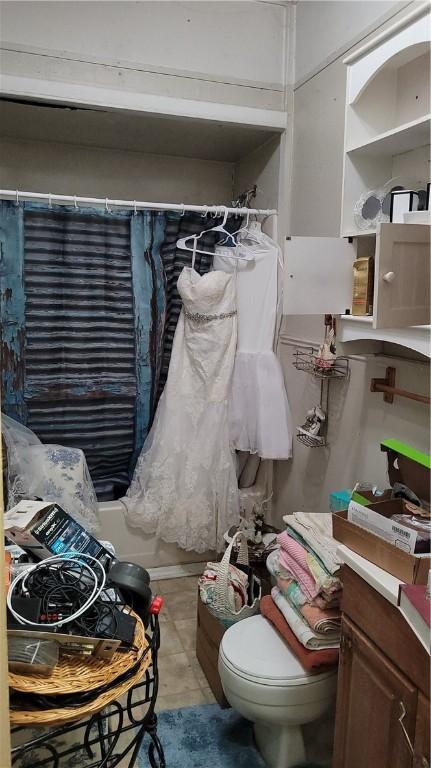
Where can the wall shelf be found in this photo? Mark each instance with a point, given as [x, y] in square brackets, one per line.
[307, 360]
[359, 233]
[358, 318]
[354, 328]
[398, 140]
[388, 117]
[135, 131]
[311, 442]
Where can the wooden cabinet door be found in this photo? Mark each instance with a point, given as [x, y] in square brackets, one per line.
[372, 697]
[422, 734]
[402, 276]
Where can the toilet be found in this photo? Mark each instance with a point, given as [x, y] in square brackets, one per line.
[266, 683]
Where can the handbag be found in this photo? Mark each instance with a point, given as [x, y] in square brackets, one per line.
[220, 605]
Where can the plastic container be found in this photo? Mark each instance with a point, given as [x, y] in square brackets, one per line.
[27, 655]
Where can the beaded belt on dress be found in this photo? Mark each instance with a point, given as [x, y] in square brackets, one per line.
[198, 318]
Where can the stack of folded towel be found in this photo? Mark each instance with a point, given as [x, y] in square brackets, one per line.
[308, 589]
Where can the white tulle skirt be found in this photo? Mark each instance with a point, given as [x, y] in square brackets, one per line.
[259, 413]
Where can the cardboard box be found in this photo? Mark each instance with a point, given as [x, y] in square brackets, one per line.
[44, 529]
[209, 633]
[363, 286]
[411, 569]
[395, 533]
[411, 468]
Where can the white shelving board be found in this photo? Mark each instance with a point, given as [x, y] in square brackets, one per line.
[388, 114]
[397, 140]
[134, 131]
[355, 328]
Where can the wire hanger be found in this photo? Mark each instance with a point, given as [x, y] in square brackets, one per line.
[183, 242]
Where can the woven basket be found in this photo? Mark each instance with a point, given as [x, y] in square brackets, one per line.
[220, 607]
[73, 675]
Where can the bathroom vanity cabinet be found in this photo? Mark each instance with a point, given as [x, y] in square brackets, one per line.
[383, 696]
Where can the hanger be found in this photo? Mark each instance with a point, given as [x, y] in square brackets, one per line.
[222, 242]
[252, 231]
[183, 242]
[238, 253]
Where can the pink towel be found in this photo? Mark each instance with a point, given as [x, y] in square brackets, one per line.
[319, 620]
[311, 660]
[293, 558]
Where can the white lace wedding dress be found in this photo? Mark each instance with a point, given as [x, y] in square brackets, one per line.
[184, 487]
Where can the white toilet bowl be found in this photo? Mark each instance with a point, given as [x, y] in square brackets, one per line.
[266, 683]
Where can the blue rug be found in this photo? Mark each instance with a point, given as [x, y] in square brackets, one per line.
[205, 737]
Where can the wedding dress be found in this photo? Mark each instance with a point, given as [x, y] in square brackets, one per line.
[184, 487]
[259, 411]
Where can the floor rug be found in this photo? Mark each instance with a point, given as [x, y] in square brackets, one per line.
[205, 737]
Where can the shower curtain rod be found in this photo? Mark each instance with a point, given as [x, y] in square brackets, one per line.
[135, 205]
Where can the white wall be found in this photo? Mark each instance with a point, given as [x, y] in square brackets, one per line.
[260, 167]
[229, 52]
[226, 41]
[358, 419]
[88, 171]
[327, 28]
[318, 136]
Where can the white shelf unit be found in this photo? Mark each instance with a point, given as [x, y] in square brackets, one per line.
[386, 135]
[397, 140]
[388, 114]
[354, 328]
[101, 128]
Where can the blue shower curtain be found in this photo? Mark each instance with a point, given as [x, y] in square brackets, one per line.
[83, 300]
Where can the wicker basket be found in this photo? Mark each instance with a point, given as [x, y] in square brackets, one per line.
[220, 607]
[73, 675]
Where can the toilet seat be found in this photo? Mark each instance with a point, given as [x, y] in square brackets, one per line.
[253, 650]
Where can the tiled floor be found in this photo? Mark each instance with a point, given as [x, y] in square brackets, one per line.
[181, 680]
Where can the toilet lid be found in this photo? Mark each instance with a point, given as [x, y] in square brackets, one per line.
[254, 649]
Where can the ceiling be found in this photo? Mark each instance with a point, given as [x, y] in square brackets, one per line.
[183, 137]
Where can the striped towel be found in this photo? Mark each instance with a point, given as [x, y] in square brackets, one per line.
[293, 558]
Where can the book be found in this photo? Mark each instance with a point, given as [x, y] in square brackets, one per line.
[416, 609]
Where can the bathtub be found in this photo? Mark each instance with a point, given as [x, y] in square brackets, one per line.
[162, 560]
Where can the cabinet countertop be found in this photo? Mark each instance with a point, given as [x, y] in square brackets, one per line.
[383, 582]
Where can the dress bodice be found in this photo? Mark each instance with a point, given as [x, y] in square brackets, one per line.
[202, 358]
[212, 293]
